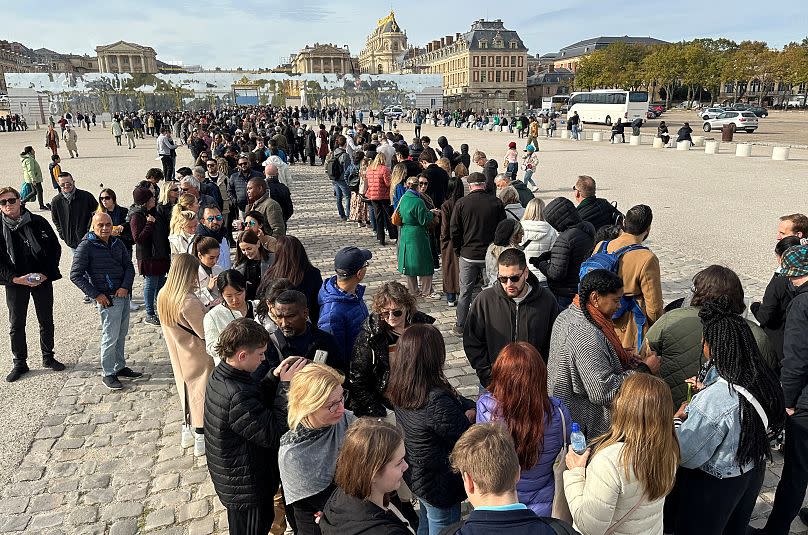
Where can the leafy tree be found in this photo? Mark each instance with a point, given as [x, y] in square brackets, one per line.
[665, 65]
[617, 65]
[793, 66]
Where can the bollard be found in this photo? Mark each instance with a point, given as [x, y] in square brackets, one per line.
[658, 144]
[711, 146]
[597, 136]
[104, 125]
[37, 125]
[683, 145]
[565, 134]
[780, 153]
[744, 150]
[634, 141]
[698, 141]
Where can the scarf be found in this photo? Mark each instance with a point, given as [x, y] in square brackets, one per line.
[607, 326]
[23, 223]
[69, 196]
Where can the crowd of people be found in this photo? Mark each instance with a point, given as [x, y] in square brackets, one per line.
[322, 410]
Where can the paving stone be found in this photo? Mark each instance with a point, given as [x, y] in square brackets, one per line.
[99, 497]
[116, 510]
[45, 502]
[28, 474]
[80, 430]
[14, 523]
[48, 520]
[203, 526]
[132, 492]
[69, 443]
[159, 518]
[54, 431]
[85, 514]
[14, 505]
[192, 510]
[98, 481]
[127, 526]
[165, 482]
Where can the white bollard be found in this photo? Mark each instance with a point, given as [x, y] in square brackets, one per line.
[744, 150]
[658, 144]
[698, 141]
[634, 141]
[712, 146]
[104, 125]
[565, 134]
[780, 153]
[597, 136]
[683, 145]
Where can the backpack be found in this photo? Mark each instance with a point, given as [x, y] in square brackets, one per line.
[333, 165]
[611, 262]
[352, 175]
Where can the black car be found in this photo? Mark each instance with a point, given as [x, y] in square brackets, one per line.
[759, 111]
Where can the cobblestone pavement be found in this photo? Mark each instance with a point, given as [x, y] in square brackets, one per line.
[107, 462]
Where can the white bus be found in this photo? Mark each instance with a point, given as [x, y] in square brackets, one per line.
[556, 103]
[605, 106]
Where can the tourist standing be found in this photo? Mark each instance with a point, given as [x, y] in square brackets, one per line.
[70, 137]
[152, 248]
[32, 174]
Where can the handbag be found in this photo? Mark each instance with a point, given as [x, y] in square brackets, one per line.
[561, 508]
[396, 218]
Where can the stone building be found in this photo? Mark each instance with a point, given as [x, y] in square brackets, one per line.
[384, 48]
[485, 67]
[126, 57]
[569, 56]
[323, 58]
[547, 83]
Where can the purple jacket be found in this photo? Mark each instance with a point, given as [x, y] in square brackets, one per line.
[537, 485]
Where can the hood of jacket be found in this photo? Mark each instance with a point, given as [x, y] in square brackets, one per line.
[93, 238]
[330, 293]
[562, 214]
[536, 230]
[25, 157]
[348, 515]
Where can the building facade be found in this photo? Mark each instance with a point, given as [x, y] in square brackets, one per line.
[385, 48]
[547, 83]
[126, 57]
[569, 56]
[485, 67]
[323, 58]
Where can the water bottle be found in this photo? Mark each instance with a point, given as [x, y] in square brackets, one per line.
[34, 277]
[577, 439]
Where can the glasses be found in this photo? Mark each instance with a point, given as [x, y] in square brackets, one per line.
[332, 407]
[251, 223]
[384, 314]
[12, 201]
[242, 164]
[513, 278]
[212, 218]
[423, 183]
[106, 198]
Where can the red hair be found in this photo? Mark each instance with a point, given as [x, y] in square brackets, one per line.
[519, 385]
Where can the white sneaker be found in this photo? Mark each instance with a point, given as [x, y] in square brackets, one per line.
[187, 437]
[199, 445]
[133, 306]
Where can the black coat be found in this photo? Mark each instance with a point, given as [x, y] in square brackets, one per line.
[794, 374]
[514, 522]
[525, 195]
[242, 437]
[599, 212]
[370, 366]
[771, 312]
[72, 221]
[490, 172]
[346, 515]
[47, 263]
[474, 220]
[280, 193]
[438, 184]
[575, 242]
[318, 340]
[152, 248]
[120, 216]
[430, 433]
[495, 320]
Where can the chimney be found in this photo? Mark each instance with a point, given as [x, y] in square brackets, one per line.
[435, 44]
[429, 47]
[442, 42]
[457, 36]
[449, 40]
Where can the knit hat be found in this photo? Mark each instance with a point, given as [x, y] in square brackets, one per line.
[795, 262]
[512, 145]
[530, 148]
[504, 231]
[142, 196]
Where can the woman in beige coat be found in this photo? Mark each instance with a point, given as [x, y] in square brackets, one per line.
[181, 316]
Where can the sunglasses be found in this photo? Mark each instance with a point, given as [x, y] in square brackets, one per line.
[242, 164]
[423, 183]
[106, 198]
[212, 218]
[384, 314]
[12, 201]
[251, 223]
[211, 165]
[513, 278]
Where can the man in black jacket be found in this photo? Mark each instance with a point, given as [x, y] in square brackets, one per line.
[597, 211]
[489, 170]
[29, 263]
[237, 184]
[72, 210]
[515, 309]
[242, 434]
[474, 220]
[278, 191]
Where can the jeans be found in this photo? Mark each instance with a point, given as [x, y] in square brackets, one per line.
[17, 298]
[528, 178]
[382, 213]
[451, 297]
[432, 520]
[152, 285]
[469, 271]
[791, 489]
[114, 328]
[513, 168]
[574, 129]
[418, 131]
[343, 194]
[372, 216]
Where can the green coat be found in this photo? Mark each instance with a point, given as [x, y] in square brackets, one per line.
[30, 169]
[414, 253]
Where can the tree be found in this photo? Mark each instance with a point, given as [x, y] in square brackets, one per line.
[664, 65]
[793, 66]
[753, 61]
[718, 54]
[617, 65]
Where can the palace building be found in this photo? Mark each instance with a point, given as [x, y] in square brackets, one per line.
[126, 57]
[323, 58]
[384, 48]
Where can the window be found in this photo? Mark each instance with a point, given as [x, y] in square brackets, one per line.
[547, 90]
[476, 76]
[729, 87]
[490, 76]
[513, 76]
[482, 77]
[521, 74]
[521, 61]
[498, 43]
[499, 61]
[504, 76]
[513, 45]
[637, 96]
[483, 61]
[498, 77]
[483, 43]
[476, 61]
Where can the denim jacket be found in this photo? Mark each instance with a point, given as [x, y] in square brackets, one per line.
[710, 435]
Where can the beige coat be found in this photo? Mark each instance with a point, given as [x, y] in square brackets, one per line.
[189, 360]
[641, 279]
[272, 212]
[601, 494]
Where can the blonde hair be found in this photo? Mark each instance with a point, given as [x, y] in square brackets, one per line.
[182, 276]
[445, 164]
[184, 203]
[486, 452]
[309, 392]
[165, 191]
[534, 211]
[179, 219]
[377, 161]
[461, 170]
[399, 175]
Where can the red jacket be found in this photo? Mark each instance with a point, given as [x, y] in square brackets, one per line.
[378, 183]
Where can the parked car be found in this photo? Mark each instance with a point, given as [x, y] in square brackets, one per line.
[738, 106]
[395, 111]
[759, 111]
[711, 113]
[741, 120]
[657, 107]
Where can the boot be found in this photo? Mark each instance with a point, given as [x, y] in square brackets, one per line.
[17, 371]
[53, 364]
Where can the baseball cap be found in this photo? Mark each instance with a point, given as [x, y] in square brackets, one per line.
[475, 178]
[530, 148]
[512, 145]
[350, 260]
[795, 262]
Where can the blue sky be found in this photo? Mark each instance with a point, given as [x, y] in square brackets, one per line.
[252, 33]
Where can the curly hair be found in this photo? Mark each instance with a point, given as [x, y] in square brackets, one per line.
[394, 292]
[602, 281]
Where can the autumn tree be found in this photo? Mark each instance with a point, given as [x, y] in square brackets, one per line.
[665, 66]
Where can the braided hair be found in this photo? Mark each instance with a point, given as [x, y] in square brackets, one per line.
[602, 281]
[737, 359]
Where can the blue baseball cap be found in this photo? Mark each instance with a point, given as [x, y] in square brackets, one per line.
[350, 260]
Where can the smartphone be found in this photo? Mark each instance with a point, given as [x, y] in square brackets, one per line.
[689, 392]
[320, 356]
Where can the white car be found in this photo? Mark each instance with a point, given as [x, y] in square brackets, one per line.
[711, 113]
[395, 111]
[741, 120]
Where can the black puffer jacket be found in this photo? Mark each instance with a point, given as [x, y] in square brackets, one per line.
[430, 433]
[346, 515]
[575, 242]
[242, 436]
[599, 212]
[370, 366]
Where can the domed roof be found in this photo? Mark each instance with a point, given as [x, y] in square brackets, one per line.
[388, 24]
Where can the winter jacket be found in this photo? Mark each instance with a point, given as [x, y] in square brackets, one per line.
[525, 195]
[215, 321]
[771, 313]
[599, 212]
[370, 366]
[430, 433]
[152, 247]
[474, 220]
[347, 515]
[72, 220]
[280, 193]
[438, 183]
[414, 251]
[490, 172]
[341, 314]
[676, 338]
[108, 266]
[574, 244]
[31, 172]
[794, 374]
[508, 522]
[378, 183]
[237, 187]
[495, 320]
[242, 436]
[583, 371]
[601, 494]
[24, 261]
[307, 345]
[536, 485]
[273, 215]
[539, 237]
